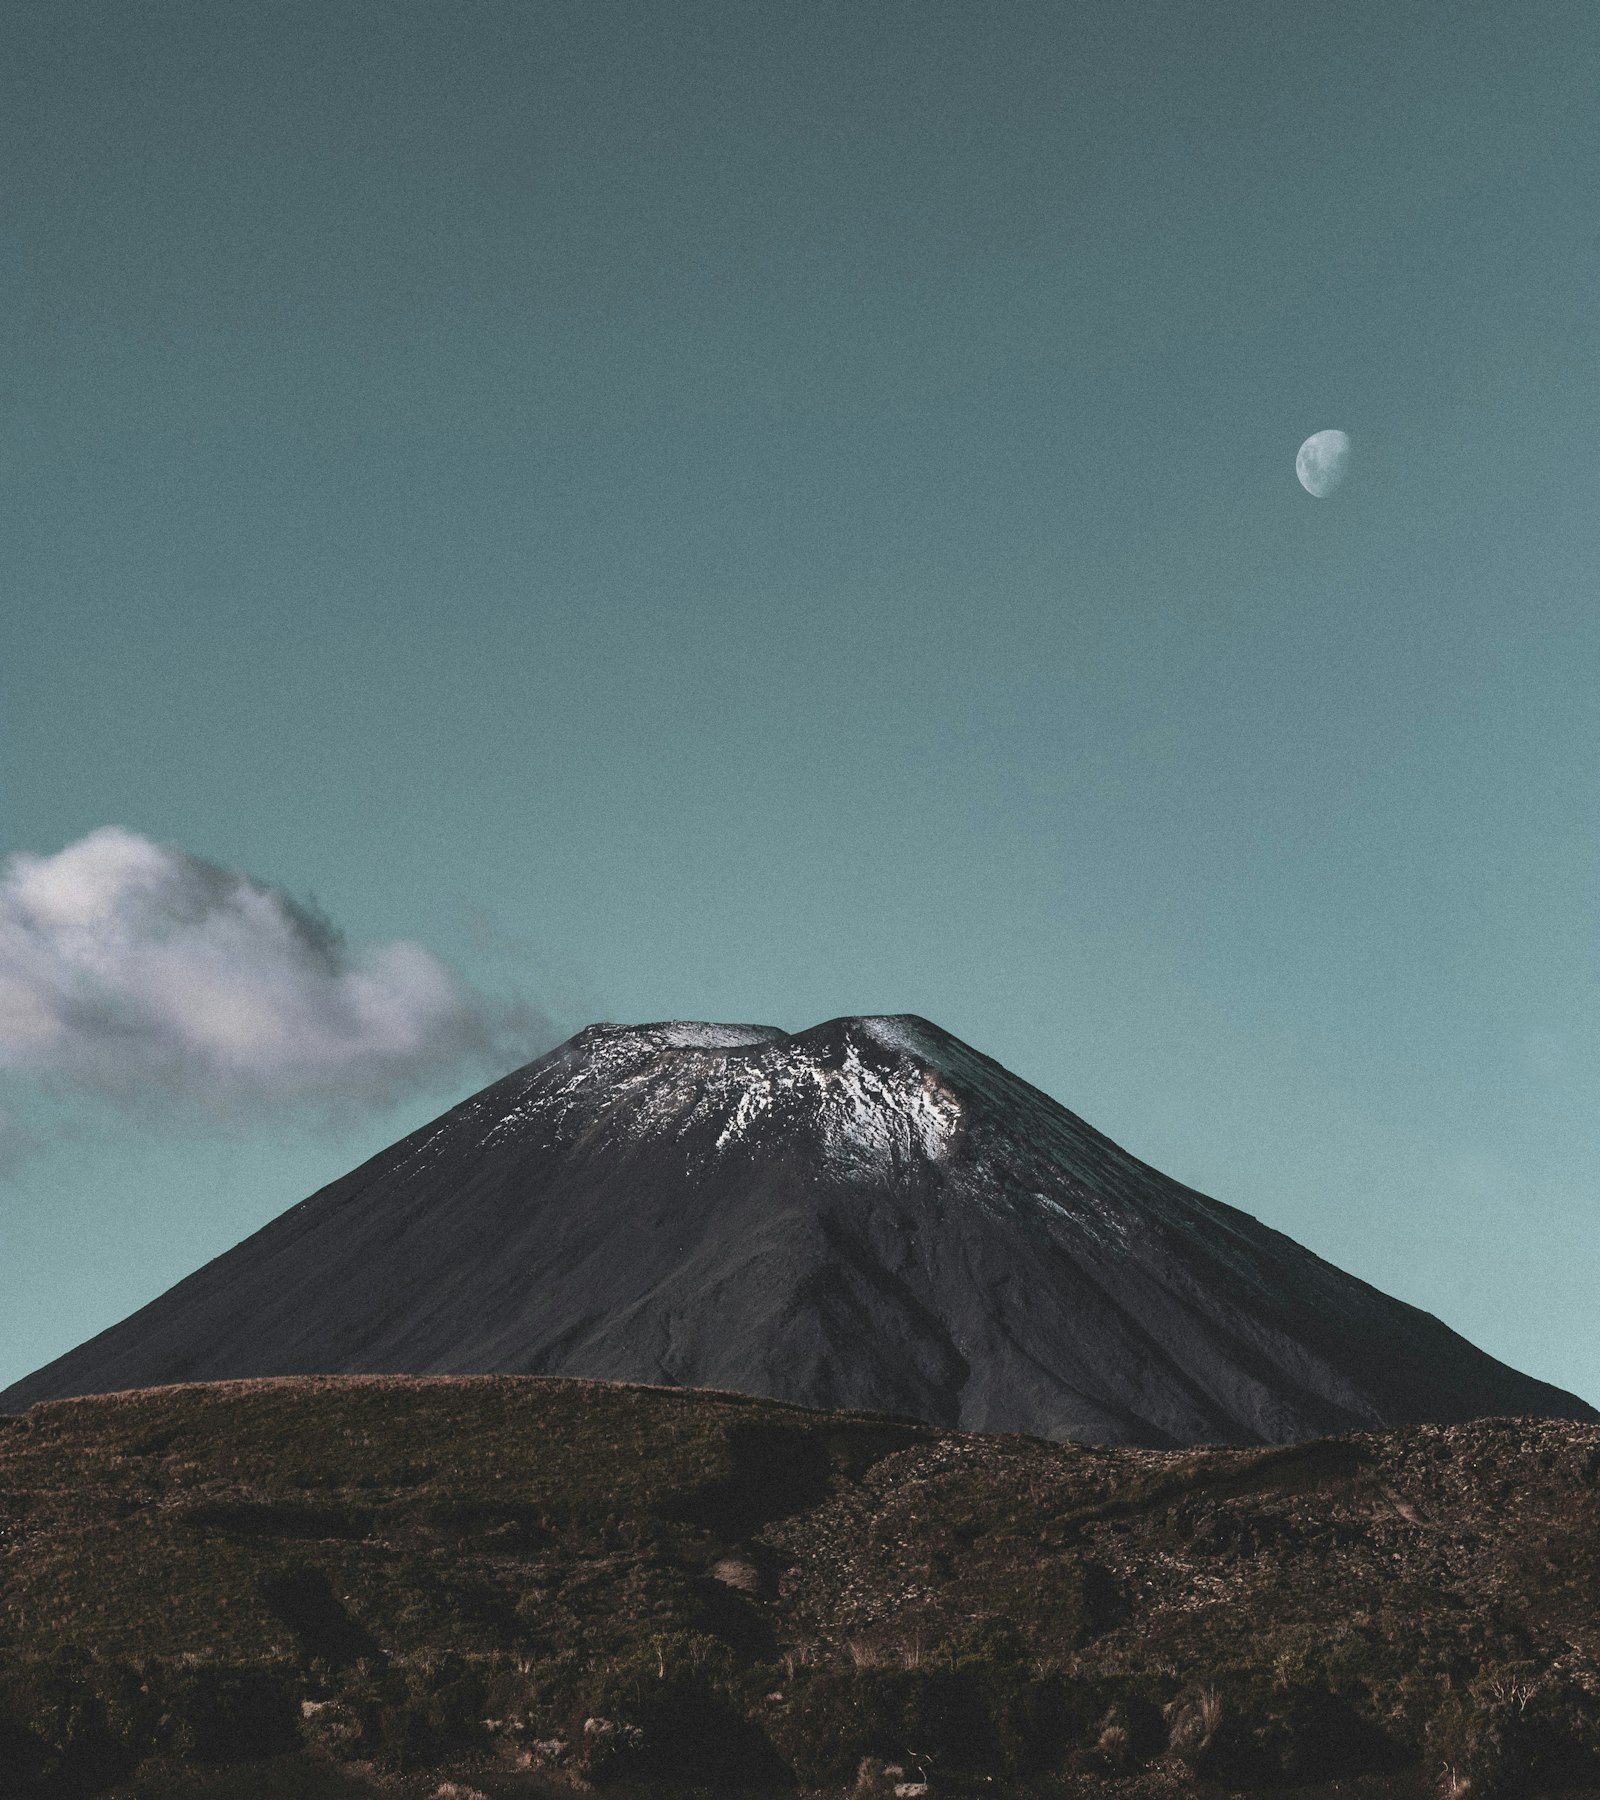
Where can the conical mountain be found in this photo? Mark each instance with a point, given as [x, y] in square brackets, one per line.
[868, 1214]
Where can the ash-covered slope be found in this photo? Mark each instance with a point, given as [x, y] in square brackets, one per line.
[868, 1214]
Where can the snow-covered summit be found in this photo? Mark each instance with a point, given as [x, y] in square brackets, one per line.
[852, 1089]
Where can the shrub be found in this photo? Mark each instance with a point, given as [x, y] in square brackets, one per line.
[58, 1726]
[1511, 1731]
[23, 1759]
[673, 1711]
[403, 1715]
[963, 1711]
[1287, 1727]
[216, 1712]
[833, 1720]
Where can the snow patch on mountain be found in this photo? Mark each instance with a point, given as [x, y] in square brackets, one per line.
[864, 1102]
[882, 1117]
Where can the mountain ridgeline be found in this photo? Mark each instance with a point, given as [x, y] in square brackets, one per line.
[866, 1215]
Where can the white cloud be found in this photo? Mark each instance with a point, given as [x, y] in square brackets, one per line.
[135, 971]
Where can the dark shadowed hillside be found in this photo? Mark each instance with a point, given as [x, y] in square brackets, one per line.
[868, 1214]
[522, 1586]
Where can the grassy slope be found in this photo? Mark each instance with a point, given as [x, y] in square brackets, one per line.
[141, 1523]
[1044, 1611]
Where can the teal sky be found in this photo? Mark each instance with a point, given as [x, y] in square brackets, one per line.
[765, 511]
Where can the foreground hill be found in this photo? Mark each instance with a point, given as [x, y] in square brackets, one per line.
[343, 1587]
[869, 1214]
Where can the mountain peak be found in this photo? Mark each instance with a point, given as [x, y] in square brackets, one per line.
[868, 1213]
[860, 1093]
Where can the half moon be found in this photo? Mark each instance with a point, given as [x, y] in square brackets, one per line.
[1321, 462]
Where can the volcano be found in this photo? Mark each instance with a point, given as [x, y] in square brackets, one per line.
[866, 1215]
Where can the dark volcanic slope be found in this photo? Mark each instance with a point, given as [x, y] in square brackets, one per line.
[868, 1214]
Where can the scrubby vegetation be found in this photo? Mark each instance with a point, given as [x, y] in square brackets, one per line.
[321, 1589]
